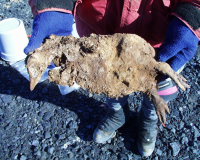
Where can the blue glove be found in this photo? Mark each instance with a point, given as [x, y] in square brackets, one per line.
[179, 46]
[48, 23]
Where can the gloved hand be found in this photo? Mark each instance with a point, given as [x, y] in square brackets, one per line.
[179, 46]
[48, 23]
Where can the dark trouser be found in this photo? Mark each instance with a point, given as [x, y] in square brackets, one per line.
[167, 90]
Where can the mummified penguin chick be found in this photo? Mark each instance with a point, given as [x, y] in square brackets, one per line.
[114, 65]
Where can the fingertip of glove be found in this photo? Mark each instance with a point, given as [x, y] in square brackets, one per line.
[27, 50]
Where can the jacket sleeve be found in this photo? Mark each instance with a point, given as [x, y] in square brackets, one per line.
[189, 12]
[39, 6]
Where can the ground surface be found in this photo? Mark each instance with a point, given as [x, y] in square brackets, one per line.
[43, 124]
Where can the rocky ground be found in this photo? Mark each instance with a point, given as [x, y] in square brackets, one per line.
[43, 124]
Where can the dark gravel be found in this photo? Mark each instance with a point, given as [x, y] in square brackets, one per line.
[43, 124]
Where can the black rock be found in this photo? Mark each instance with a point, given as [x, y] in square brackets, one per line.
[44, 90]
[128, 145]
[16, 81]
[86, 115]
[34, 96]
[191, 143]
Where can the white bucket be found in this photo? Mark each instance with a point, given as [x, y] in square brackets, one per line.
[13, 39]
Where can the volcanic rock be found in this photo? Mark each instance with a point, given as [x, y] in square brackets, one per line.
[175, 148]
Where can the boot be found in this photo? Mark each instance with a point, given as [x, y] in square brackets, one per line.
[147, 132]
[147, 128]
[112, 121]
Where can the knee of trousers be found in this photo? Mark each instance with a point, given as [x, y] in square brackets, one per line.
[116, 104]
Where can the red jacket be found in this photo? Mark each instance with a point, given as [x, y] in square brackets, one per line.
[146, 18]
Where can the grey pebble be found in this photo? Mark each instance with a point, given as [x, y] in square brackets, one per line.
[123, 156]
[47, 115]
[173, 130]
[23, 157]
[47, 134]
[196, 132]
[38, 153]
[62, 136]
[159, 152]
[50, 150]
[187, 70]
[46, 124]
[7, 98]
[41, 113]
[72, 124]
[1, 111]
[121, 144]
[181, 125]
[35, 143]
[184, 140]
[175, 148]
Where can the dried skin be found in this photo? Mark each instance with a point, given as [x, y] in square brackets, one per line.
[115, 65]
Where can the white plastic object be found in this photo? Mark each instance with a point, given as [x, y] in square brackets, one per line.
[74, 31]
[13, 39]
[20, 66]
[67, 89]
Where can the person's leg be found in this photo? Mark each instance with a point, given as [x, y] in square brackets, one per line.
[147, 119]
[118, 113]
[147, 127]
